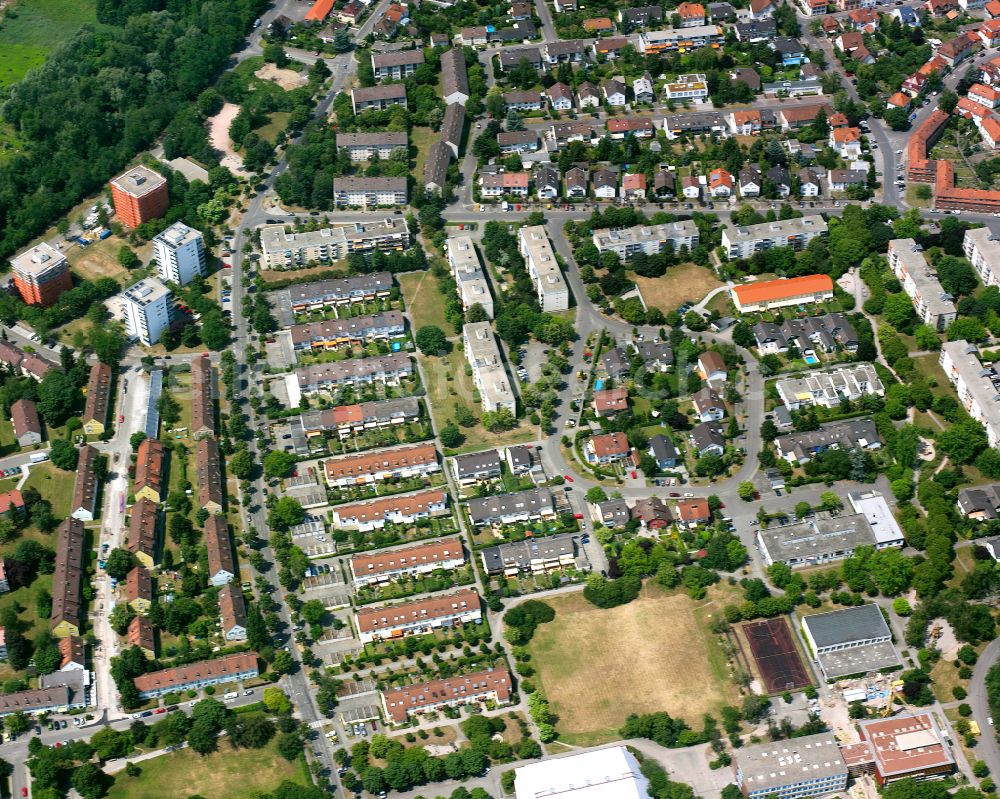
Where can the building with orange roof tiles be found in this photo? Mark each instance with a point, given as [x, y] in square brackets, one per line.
[782, 293]
[919, 168]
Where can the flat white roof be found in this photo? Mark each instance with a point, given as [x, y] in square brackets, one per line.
[605, 774]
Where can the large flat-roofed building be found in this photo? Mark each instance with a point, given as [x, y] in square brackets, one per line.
[378, 97]
[180, 254]
[531, 556]
[800, 767]
[522, 506]
[488, 371]
[828, 388]
[553, 295]
[875, 508]
[977, 384]
[933, 304]
[146, 307]
[419, 616]
[140, 195]
[406, 509]
[369, 192]
[982, 248]
[648, 239]
[401, 703]
[824, 539]
[470, 279]
[364, 146]
[675, 39]
[907, 747]
[241, 666]
[768, 294]
[611, 773]
[41, 274]
[385, 565]
[850, 641]
[742, 241]
[283, 249]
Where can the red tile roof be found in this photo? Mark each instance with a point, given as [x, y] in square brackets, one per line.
[781, 289]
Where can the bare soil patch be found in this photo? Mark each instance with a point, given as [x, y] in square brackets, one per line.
[687, 282]
[287, 79]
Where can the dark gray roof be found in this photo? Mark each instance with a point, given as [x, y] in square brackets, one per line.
[615, 361]
[436, 168]
[786, 45]
[476, 463]
[452, 125]
[707, 434]
[521, 553]
[454, 76]
[614, 512]
[532, 501]
[662, 448]
[847, 625]
[981, 499]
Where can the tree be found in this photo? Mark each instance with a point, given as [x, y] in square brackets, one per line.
[240, 464]
[278, 463]
[64, 455]
[276, 701]
[451, 436]
[121, 617]
[58, 398]
[514, 121]
[283, 662]
[901, 606]
[431, 340]
[802, 509]
[127, 258]
[897, 119]
[202, 737]
[286, 512]
[595, 495]
[119, 563]
[830, 501]
[89, 781]
[169, 409]
[746, 491]
[342, 42]
[289, 746]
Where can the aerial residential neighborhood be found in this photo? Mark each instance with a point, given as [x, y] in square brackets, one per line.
[450, 400]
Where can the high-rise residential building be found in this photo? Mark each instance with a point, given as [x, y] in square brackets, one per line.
[140, 195]
[146, 310]
[180, 254]
[41, 274]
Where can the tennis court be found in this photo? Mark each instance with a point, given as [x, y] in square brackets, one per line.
[774, 653]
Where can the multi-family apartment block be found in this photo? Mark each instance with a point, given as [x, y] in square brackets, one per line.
[68, 607]
[95, 412]
[146, 308]
[676, 39]
[420, 616]
[41, 274]
[357, 371]
[744, 240]
[933, 304]
[397, 64]
[86, 485]
[522, 506]
[231, 668]
[339, 291]
[472, 286]
[180, 254]
[454, 77]
[553, 295]
[781, 293]
[219, 543]
[140, 195]
[209, 469]
[378, 97]
[348, 420]
[202, 397]
[365, 146]
[976, 383]
[283, 249]
[369, 192]
[648, 239]
[982, 248]
[494, 685]
[488, 371]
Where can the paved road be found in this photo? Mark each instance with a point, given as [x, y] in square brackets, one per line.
[987, 749]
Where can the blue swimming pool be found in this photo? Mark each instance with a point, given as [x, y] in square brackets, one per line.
[812, 360]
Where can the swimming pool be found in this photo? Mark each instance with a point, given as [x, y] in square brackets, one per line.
[812, 360]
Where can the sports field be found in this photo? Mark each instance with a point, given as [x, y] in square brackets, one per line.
[598, 666]
[775, 655]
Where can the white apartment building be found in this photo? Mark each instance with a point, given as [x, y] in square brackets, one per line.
[387, 565]
[145, 307]
[281, 249]
[472, 286]
[982, 248]
[488, 372]
[368, 192]
[418, 616]
[180, 254]
[364, 146]
[648, 239]
[978, 386]
[686, 87]
[553, 295]
[932, 303]
[744, 241]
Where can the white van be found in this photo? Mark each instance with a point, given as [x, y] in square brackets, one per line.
[230, 695]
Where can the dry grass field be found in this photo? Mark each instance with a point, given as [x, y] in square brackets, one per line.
[687, 282]
[598, 666]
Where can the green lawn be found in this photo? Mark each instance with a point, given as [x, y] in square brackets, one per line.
[31, 30]
[53, 484]
[424, 302]
[278, 122]
[227, 774]
[246, 70]
[421, 139]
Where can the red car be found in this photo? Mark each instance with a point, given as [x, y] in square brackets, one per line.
[633, 475]
[568, 478]
[121, 418]
[577, 515]
[24, 791]
[674, 494]
[160, 710]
